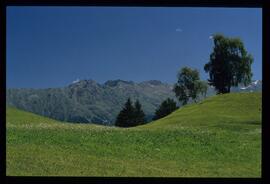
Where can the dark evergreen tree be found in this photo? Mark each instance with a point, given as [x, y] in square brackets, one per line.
[139, 116]
[130, 116]
[229, 64]
[126, 116]
[166, 107]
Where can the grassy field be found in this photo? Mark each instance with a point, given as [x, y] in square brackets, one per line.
[219, 137]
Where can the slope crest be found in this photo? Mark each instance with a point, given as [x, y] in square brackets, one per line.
[214, 111]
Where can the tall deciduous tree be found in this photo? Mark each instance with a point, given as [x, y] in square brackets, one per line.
[189, 86]
[229, 64]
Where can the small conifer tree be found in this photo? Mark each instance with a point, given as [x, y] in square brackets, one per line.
[130, 116]
[165, 108]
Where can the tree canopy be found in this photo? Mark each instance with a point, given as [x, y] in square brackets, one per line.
[189, 86]
[165, 108]
[229, 64]
[139, 117]
[130, 116]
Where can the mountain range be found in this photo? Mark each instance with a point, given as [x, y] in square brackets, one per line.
[87, 101]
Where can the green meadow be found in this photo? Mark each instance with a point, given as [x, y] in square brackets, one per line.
[217, 137]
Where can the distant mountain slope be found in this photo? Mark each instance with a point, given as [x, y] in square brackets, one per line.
[254, 86]
[87, 101]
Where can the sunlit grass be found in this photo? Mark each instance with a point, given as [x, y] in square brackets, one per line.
[219, 137]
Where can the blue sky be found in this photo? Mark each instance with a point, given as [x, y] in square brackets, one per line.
[53, 46]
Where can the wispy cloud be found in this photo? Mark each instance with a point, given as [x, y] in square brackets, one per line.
[210, 37]
[179, 30]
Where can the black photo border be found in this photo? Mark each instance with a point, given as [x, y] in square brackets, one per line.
[140, 3]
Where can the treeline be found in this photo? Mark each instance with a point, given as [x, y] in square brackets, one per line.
[133, 115]
[229, 65]
[130, 115]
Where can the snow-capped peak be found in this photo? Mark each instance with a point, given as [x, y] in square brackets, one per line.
[77, 80]
[253, 85]
[256, 82]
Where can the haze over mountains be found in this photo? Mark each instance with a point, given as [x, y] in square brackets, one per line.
[87, 101]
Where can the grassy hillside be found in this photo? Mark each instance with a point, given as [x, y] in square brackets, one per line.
[219, 137]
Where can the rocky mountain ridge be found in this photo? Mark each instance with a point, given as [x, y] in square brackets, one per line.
[87, 101]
